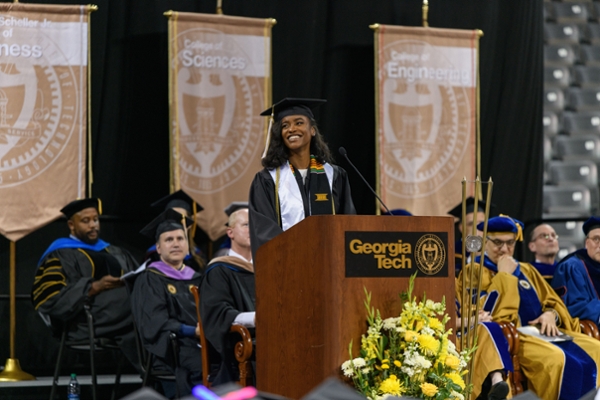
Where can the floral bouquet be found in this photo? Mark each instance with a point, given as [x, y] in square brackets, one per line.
[409, 355]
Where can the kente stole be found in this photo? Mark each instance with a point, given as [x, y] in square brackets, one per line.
[289, 201]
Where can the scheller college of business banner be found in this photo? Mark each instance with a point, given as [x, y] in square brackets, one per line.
[426, 114]
[219, 83]
[43, 98]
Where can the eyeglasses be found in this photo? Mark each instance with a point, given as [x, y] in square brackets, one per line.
[595, 239]
[509, 243]
[547, 236]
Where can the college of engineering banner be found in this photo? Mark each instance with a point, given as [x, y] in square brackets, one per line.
[426, 85]
[220, 81]
[43, 98]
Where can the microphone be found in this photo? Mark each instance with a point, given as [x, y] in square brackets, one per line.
[344, 153]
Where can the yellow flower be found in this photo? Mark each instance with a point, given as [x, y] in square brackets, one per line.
[397, 363]
[419, 325]
[456, 379]
[453, 362]
[435, 324]
[429, 389]
[385, 366]
[429, 343]
[411, 336]
[392, 386]
[370, 347]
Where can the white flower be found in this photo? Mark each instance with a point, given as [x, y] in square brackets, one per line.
[348, 369]
[428, 331]
[373, 331]
[365, 370]
[359, 362]
[456, 395]
[408, 370]
[390, 323]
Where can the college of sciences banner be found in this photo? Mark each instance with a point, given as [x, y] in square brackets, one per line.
[426, 114]
[43, 98]
[219, 84]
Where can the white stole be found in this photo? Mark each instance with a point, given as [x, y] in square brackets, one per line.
[290, 199]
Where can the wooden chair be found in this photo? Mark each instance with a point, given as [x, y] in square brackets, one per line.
[243, 349]
[589, 328]
[516, 379]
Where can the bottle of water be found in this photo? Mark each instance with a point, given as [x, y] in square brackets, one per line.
[73, 390]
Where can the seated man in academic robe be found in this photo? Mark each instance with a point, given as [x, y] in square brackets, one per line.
[227, 296]
[516, 292]
[577, 276]
[475, 213]
[163, 304]
[183, 204]
[85, 270]
[543, 243]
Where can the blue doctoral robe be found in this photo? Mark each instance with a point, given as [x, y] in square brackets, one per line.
[576, 280]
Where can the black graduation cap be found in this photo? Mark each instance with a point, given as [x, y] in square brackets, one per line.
[167, 221]
[77, 205]
[234, 206]
[457, 211]
[178, 199]
[293, 106]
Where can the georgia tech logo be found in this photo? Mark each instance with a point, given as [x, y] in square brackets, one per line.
[219, 100]
[427, 137]
[430, 254]
[39, 108]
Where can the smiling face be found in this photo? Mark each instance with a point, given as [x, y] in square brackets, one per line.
[85, 225]
[297, 132]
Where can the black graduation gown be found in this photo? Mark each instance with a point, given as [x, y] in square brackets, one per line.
[160, 305]
[264, 224]
[225, 292]
[63, 281]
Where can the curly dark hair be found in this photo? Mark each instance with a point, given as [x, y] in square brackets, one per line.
[278, 153]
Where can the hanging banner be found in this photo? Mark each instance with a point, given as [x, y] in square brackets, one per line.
[426, 109]
[220, 81]
[43, 99]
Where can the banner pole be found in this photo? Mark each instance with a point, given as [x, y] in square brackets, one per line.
[172, 125]
[12, 369]
[90, 9]
[375, 28]
[425, 13]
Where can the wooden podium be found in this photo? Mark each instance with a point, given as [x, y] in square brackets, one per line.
[308, 308]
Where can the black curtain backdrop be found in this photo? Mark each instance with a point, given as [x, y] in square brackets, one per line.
[320, 49]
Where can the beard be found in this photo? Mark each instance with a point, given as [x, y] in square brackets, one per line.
[90, 237]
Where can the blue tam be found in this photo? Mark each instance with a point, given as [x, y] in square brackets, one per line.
[504, 224]
[592, 223]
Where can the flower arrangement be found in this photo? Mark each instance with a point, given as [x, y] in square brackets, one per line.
[409, 355]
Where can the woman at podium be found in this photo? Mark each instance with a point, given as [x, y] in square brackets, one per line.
[298, 178]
